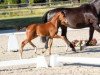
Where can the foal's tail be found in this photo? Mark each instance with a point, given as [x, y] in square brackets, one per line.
[44, 18]
[19, 28]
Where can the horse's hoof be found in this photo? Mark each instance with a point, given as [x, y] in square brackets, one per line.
[49, 53]
[21, 57]
[82, 47]
[75, 52]
[87, 45]
[46, 46]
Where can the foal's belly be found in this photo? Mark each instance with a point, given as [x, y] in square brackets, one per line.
[42, 32]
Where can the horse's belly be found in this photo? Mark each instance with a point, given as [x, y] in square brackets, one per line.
[78, 25]
[82, 25]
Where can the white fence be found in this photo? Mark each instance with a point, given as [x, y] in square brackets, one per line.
[39, 61]
[55, 61]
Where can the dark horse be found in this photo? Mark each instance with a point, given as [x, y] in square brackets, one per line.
[86, 15]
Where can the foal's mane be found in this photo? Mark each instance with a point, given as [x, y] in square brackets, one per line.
[62, 12]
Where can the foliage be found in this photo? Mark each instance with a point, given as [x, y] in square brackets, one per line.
[39, 1]
[23, 1]
[10, 1]
[83, 1]
[33, 1]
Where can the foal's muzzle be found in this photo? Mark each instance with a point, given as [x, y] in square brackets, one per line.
[64, 23]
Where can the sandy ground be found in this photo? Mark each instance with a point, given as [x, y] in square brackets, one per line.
[57, 48]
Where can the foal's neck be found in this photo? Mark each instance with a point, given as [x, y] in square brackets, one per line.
[54, 20]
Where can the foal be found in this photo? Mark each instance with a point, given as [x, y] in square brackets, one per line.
[49, 29]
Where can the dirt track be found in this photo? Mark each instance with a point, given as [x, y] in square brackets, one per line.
[58, 48]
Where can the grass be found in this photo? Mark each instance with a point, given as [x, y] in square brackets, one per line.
[15, 23]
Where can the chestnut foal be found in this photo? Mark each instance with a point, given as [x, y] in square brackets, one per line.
[49, 29]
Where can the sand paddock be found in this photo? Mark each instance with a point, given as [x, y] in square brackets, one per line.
[58, 48]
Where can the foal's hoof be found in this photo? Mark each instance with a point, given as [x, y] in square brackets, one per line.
[42, 51]
[35, 52]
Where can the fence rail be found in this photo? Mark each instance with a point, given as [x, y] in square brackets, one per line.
[11, 10]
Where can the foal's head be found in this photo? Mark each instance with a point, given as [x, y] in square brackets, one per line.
[62, 18]
[59, 17]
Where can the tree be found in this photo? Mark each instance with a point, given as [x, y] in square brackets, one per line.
[18, 1]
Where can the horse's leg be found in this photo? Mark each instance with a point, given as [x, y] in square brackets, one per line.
[33, 46]
[64, 37]
[91, 32]
[97, 28]
[96, 25]
[46, 43]
[68, 43]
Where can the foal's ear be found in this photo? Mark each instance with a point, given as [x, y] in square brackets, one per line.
[63, 12]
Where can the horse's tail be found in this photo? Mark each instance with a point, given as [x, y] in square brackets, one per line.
[44, 19]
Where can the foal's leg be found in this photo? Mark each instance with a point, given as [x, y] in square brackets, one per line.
[22, 46]
[33, 46]
[30, 36]
[50, 44]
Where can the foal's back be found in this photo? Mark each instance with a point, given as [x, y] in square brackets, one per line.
[41, 29]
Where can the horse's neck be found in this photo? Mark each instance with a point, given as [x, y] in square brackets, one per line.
[54, 20]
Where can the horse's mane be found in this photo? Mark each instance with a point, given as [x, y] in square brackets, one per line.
[45, 19]
[93, 1]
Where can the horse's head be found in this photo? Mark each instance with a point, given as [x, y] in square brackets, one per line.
[96, 4]
[62, 18]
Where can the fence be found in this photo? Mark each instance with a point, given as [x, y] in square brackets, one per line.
[15, 15]
[27, 9]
